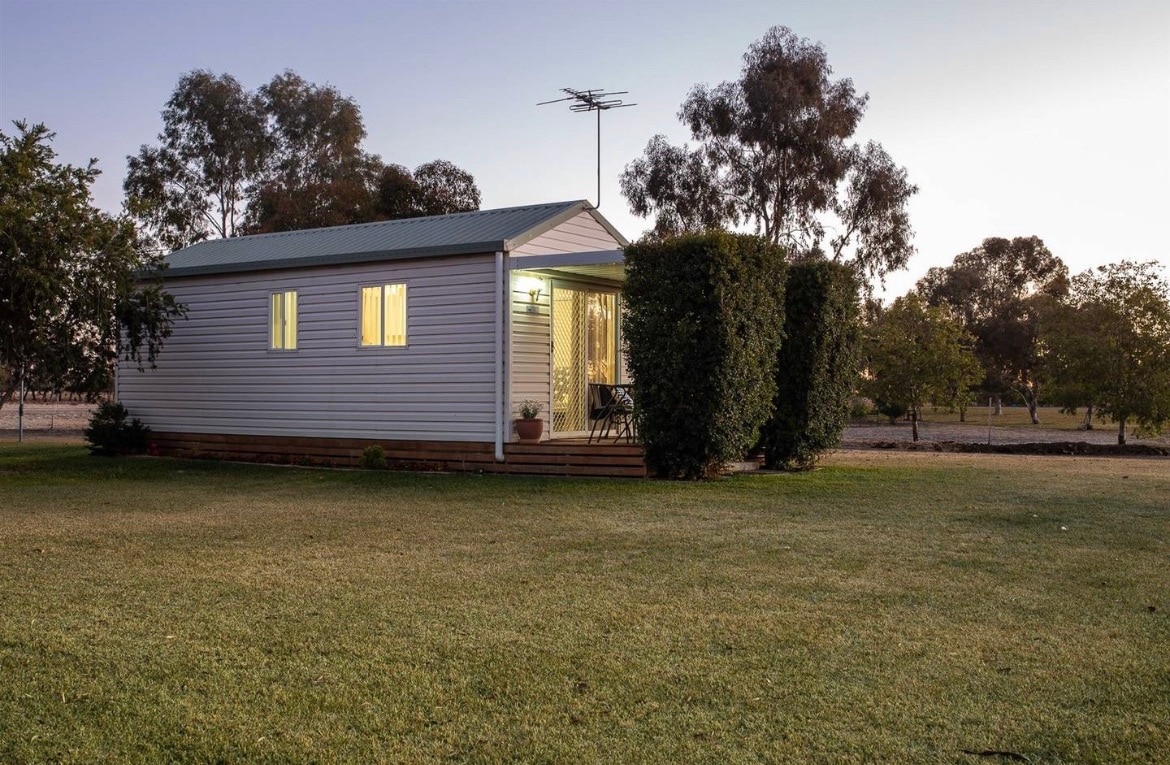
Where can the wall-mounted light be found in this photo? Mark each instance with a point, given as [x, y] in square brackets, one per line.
[535, 289]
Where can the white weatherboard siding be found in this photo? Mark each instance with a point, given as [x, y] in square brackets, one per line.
[217, 375]
[581, 233]
[531, 346]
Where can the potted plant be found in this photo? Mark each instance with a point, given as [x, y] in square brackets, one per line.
[530, 427]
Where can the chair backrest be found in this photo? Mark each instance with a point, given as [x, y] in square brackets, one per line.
[600, 399]
[623, 396]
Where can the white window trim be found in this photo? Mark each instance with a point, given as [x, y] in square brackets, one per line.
[284, 317]
[382, 318]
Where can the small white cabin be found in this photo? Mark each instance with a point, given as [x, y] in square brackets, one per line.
[422, 335]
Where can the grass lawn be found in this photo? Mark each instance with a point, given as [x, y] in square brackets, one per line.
[885, 608]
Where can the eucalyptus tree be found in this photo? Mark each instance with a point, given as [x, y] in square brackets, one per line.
[195, 183]
[286, 157]
[438, 187]
[316, 172]
[445, 188]
[773, 151]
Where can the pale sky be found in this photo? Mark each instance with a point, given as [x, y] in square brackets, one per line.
[1014, 118]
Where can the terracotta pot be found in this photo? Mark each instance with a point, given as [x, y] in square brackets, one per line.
[529, 430]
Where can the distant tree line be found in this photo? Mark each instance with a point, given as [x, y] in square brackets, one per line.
[287, 156]
[996, 293]
[1006, 320]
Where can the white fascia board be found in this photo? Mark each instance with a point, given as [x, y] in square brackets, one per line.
[597, 258]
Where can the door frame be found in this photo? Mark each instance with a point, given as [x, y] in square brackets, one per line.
[556, 283]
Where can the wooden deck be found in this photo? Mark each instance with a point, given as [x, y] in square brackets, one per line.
[576, 456]
[569, 457]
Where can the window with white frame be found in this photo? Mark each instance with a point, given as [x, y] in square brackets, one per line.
[282, 324]
[383, 315]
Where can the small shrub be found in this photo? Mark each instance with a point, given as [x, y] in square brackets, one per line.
[891, 409]
[373, 458]
[530, 409]
[109, 433]
[860, 408]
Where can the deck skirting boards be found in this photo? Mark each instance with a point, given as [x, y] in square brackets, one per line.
[546, 458]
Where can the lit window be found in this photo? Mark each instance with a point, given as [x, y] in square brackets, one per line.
[383, 320]
[282, 332]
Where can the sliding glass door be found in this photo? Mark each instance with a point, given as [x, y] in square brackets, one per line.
[584, 338]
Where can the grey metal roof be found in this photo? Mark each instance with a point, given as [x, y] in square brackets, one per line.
[456, 234]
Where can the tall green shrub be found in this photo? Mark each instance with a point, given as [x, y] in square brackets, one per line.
[703, 324]
[816, 370]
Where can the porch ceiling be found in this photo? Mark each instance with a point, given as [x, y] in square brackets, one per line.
[614, 272]
[603, 264]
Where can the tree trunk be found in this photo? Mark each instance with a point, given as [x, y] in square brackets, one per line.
[1089, 417]
[914, 422]
[962, 412]
[1121, 431]
[1030, 393]
[998, 405]
[1033, 410]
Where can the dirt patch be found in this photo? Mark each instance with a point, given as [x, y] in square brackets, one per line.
[976, 438]
[1073, 448]
[42, 421]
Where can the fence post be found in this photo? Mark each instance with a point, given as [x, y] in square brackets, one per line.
[20, 411]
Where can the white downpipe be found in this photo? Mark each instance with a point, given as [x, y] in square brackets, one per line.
[508, 335]
[499, 398]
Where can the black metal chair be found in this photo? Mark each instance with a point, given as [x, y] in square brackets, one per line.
[623, 412]
[599, 404]
[611, 406]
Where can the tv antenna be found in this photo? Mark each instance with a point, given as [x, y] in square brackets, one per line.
[592, 100]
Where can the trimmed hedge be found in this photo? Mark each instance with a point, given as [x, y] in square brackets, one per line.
[703, 324]
[816, 370]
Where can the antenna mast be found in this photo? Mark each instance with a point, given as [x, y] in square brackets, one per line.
[592, 100]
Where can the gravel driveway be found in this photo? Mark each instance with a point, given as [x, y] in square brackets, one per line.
[860, 436]
[69, 419]
[40, 420]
